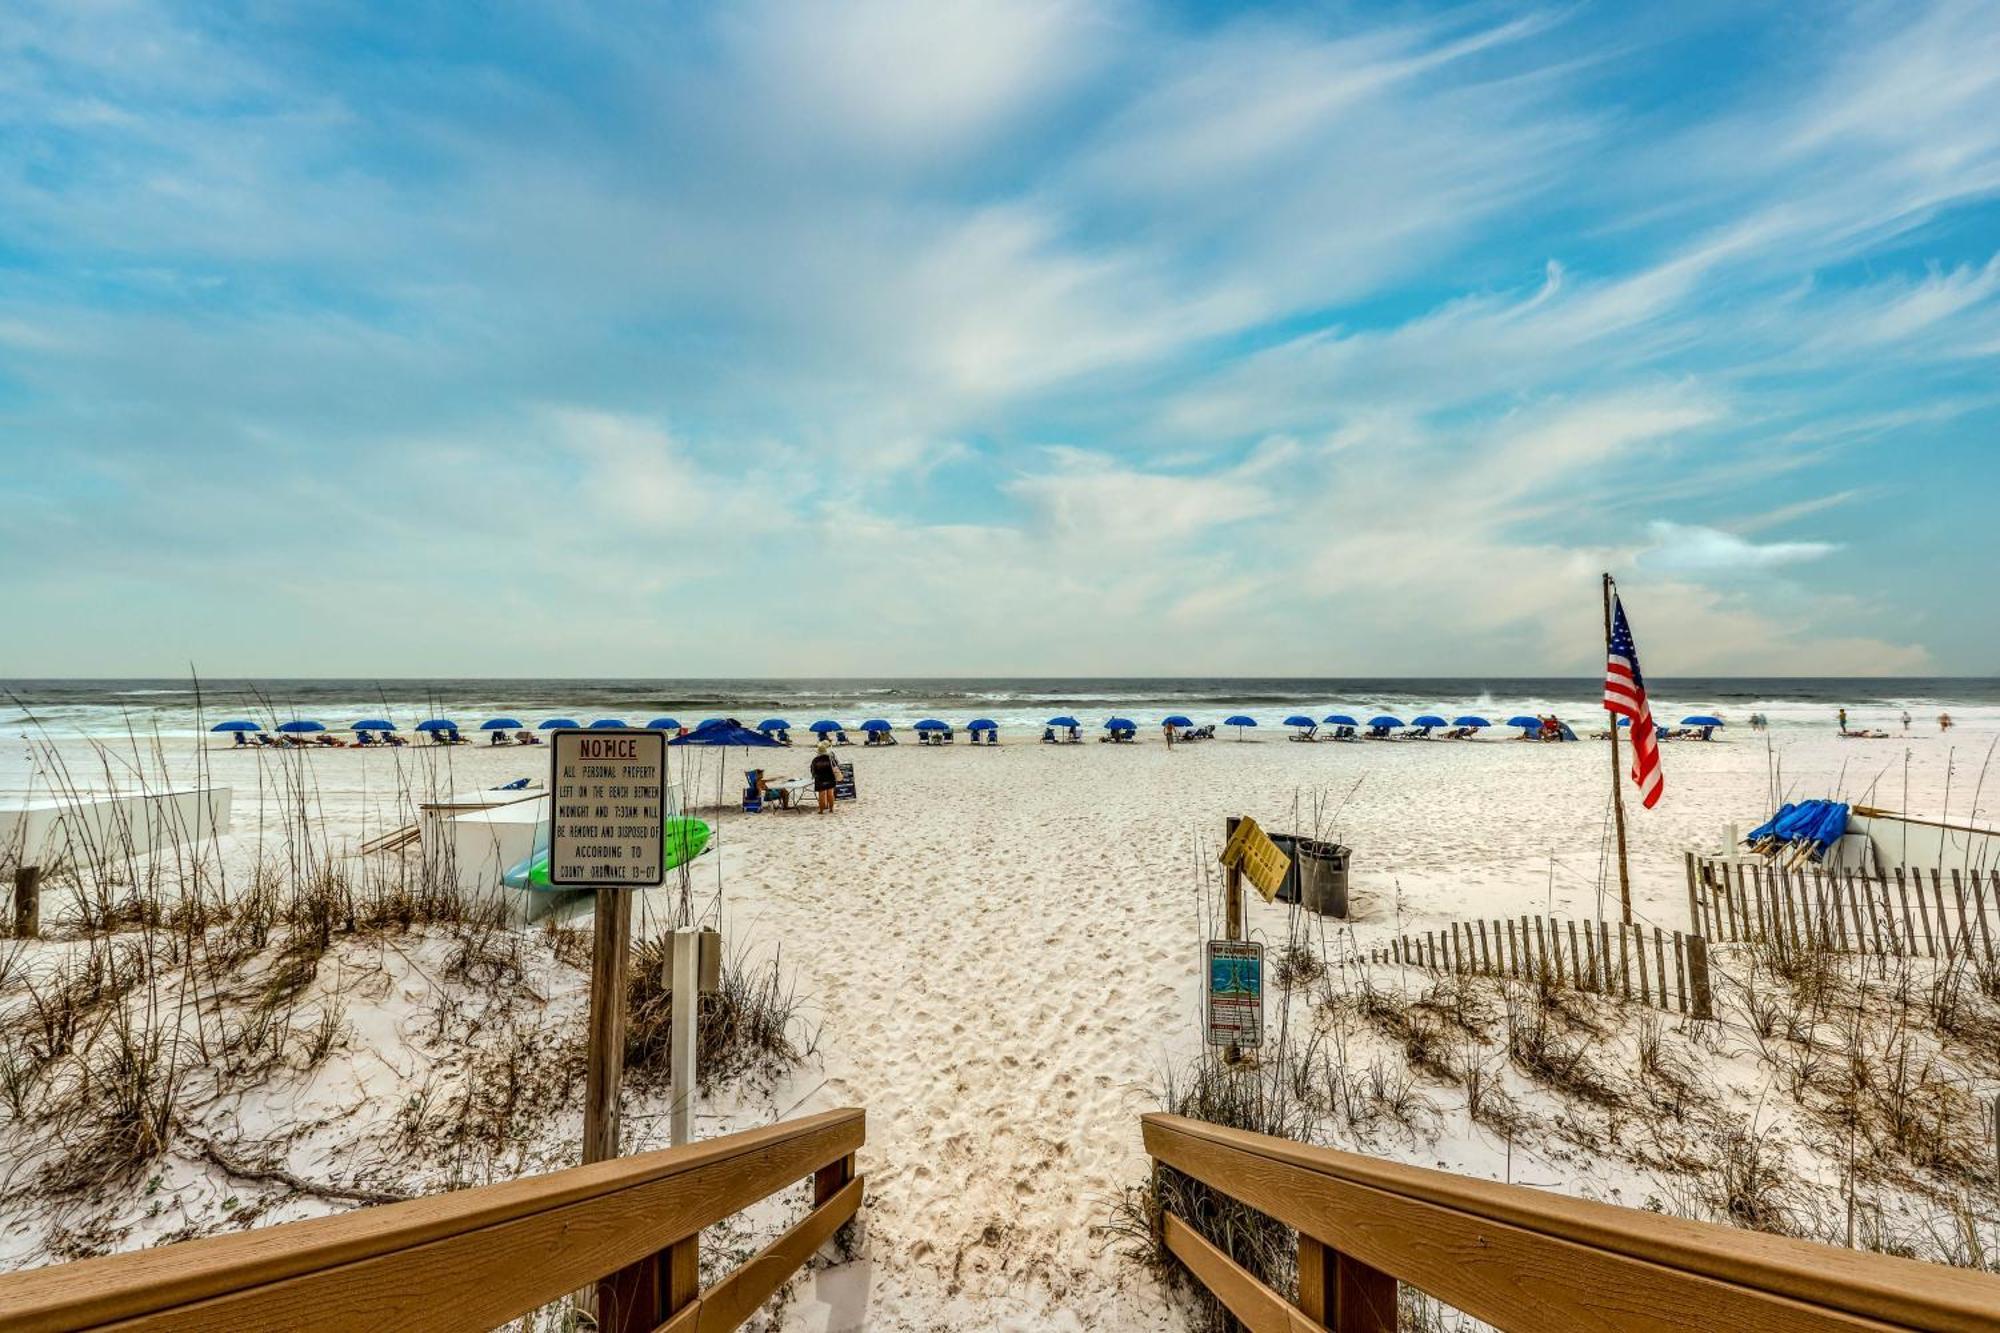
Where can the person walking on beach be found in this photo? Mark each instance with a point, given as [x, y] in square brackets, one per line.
[1944, 721]
[1168, 727]
[1906, 721]
[1843, 721]
[825, 773]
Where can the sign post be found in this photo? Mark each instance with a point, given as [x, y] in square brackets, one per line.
[607, 832]
[1236, 969]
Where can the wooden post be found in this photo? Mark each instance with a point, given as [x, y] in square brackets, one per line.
[830, 1179]
[1700, 925]
[1660, 957]
[610, 946]
[1575, 956]
[1697, 957]
[1979, 907]
[1485, 955]
[1232, 915]
[27, 902]
[1316, 1279]
[685, 986]
[1364, 1298]
[1617, 792]
[1513, 950]
[1680, 972]
[1639, 943]
[1624, 964]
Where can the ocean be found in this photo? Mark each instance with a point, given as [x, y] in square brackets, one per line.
[183, 708]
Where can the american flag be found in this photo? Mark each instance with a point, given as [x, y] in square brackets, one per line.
[1625, 696]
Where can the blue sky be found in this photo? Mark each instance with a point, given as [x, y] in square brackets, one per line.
[947, 336]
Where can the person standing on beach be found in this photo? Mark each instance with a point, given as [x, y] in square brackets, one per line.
[1906, 721]
[1843, 721]
[825, 774]
[1944, 723]
[1168, 727]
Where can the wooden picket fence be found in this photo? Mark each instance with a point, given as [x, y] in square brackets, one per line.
[1954, 914]
[1604, 957]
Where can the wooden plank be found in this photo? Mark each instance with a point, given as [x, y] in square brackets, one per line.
[1260, 1309]
[1680, 973]
[1979, 904]
[1795, 940]
[1697, 920]
[1660, 957]
[468, 1259]
[730, 1302]
[1364, 1297]
[610, 953]
[1541, 949]
[1485, 956]
[1964, 924]
[1624, 963]
[1538, 1262]
[1732, 891]
[1575, 956]
[1944, 925]
[681, 1273]
[1839, 917]
[1639, 939]
[1590, 963]
[1514, 951]
[1604, 951]
[1702, 998]
[1757, 884]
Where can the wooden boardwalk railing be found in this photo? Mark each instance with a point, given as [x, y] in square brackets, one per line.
[1527, 1261]
[478, 1258]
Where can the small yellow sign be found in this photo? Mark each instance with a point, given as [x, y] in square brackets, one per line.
[1260, 858]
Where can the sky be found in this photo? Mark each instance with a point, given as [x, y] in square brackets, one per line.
[923, 337]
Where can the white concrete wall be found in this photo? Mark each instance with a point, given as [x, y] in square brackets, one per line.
[1920, 846]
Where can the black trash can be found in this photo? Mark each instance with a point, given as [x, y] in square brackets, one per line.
[1320, 869]
[1288, 843]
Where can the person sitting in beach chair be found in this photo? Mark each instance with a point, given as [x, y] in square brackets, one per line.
[1075, 736]
[1345, 733]
[1048, 735]
[363, 738]
[499, 738]
[391, 738]
[1551, 729]
[840, 738]
[243, 738]
[526, 738]
[1378, 733]
[1417, 734]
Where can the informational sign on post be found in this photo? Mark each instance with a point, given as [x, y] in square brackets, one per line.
[1235, 993]
[1251, 849]
[607, 828]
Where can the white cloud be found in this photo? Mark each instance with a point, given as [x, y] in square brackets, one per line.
[1690, 549]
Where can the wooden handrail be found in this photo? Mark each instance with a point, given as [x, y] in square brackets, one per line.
[1522, 1259]
[466, 1260]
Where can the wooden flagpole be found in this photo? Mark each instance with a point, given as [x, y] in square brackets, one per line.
[1617, 792]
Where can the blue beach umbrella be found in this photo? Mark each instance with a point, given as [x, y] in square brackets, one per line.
[1120, 724]
[240, 724]
[1338, 720]
[1239, 721]
[722, 732]
[825, 726]
[1300, 720]
[1523, 720]
[373, 724]
[982, 724]
[1428, 720]
[663, 724]
[774, 724]
[562, 724]
[501, 724]
[437, 724]
[931, 724]
[1177, 720]
[876, 724]
[1702, 720]
[1384, 720]
[300, 726]
[1064, 721]
[1469, 721]
[606, 724]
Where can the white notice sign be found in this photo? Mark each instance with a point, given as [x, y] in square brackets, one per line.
[607, 827]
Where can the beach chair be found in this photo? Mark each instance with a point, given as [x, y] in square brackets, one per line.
[1075, 736]
[1048, 735]
[1306, 734]
[993, 735]
[363, 738]
[242, 738]
[1417, 734]
[840, 738]
[753, 790]
[1378, 734]
[1345, 733]
[391, 738]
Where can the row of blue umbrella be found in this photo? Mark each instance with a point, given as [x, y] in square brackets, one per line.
[825, 727]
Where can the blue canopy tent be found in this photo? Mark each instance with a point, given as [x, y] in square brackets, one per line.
[825, 727]
[663, 724]
[1470, 721]
[1239, 721]
[1177, 720]
[501, 724]
[606, 724]
[562, 724]
[297, 726]
[722, 731]
[373, 724]
[240, 724]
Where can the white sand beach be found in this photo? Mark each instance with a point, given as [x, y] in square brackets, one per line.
[1000, 947]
